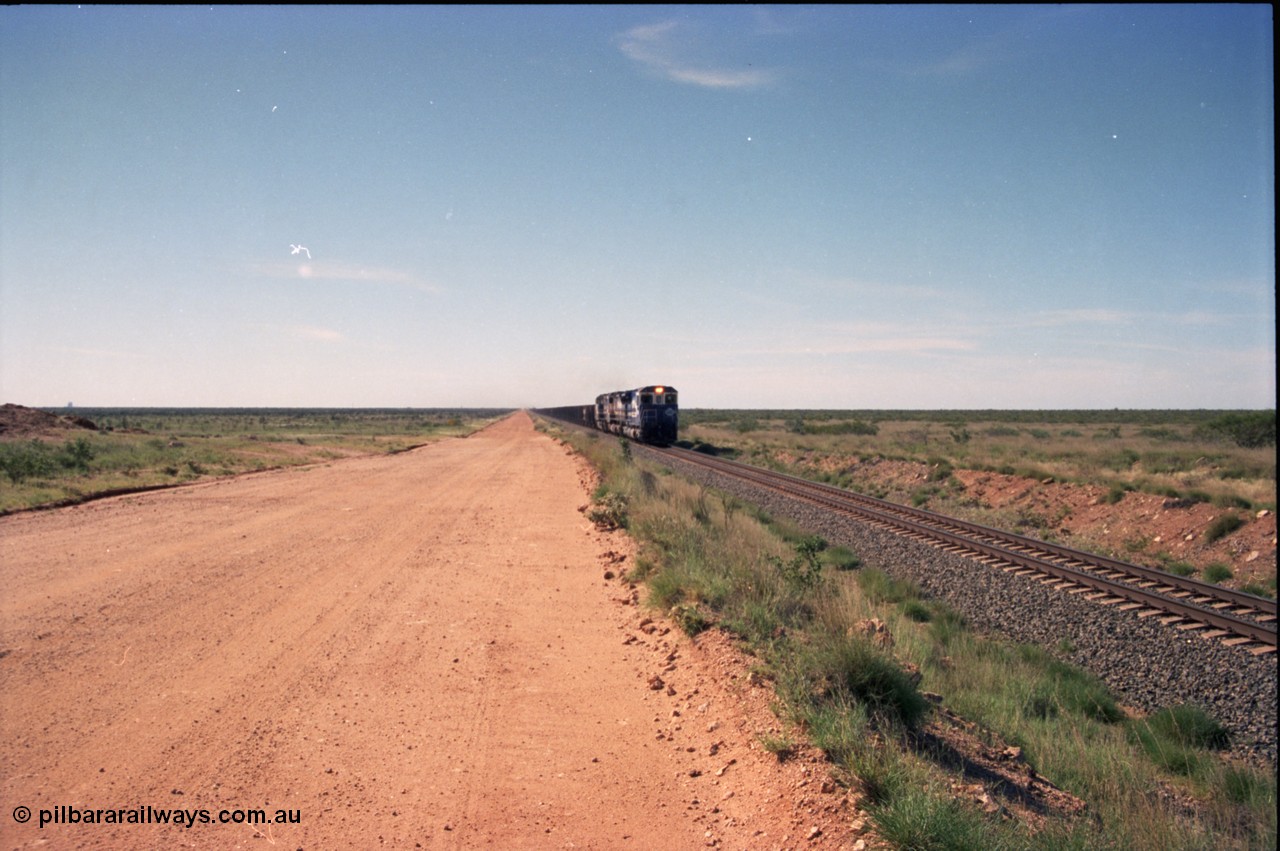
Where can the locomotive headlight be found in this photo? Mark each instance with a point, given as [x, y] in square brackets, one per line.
[658, 389]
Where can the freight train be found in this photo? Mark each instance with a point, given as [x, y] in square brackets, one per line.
[646, 414]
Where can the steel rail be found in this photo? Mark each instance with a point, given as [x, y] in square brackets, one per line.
[893, 515]
[1230, 596]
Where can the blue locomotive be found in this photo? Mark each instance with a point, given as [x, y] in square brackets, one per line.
[647, 414]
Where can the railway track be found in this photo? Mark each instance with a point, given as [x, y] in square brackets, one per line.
[1213, 612]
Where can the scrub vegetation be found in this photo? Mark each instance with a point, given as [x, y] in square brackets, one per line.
[1225, 457]
[869, 670]
[149, 447]
[1183, 489]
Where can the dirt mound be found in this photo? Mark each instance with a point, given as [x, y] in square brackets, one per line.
[21, 421]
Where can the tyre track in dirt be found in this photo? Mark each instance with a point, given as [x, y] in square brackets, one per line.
[412, 651]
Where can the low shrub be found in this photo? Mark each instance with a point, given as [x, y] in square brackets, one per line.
[920, 819]
[22, 461]
[917, 611]
[841, 558]
[1188, 724]
[848, 669]
[1175, 738]
[1223, 526]
[946, 625]
[690, 618]
[805, 570]
[609, 512]
[1217, 572]
[880, 587]
[1257, 589]
[781, 746]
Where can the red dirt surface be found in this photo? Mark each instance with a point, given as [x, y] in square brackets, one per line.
[419, 650]
[1141, 527]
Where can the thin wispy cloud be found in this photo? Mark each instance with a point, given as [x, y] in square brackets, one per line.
[1111, 318]
[96, 353]
[312, 333]
[343, 272]
[827, 340]
[1081, 316]
[984, 52]
[894, 344]
[662, 49]
[865, 288]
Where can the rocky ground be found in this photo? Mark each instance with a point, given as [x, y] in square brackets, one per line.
[1149, 665]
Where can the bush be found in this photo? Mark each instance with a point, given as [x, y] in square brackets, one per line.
[947, 624]
[1251, 430]
[882, 588]
[782, 747]
[805, 570]
[939, 469]
[1217, 573]
[76, 454]
[690, 618]
[609, 512]
[917, 611]
[1064, 687]
[848, 669]
[919, 819]
[850, 427]
[22, 461]
[1174, 737]
[1223, 526]
[841, 558]
[1189, 725]
[1257, 590]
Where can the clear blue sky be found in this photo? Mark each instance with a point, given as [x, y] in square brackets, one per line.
[785, 207]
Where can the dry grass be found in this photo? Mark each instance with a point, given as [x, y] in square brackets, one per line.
[157, 447]
[1170, 458]
[854, 692]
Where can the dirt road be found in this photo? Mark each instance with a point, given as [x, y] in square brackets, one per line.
[404, 651]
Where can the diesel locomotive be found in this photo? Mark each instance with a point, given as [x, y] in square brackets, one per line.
[646, 414]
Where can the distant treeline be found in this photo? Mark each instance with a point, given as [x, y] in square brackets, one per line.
[276, 412]
[233, 420]
[1073, 417]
